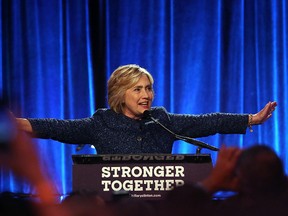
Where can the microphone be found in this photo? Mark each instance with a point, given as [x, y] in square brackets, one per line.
[200, 144]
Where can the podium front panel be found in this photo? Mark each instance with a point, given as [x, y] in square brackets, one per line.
[137, 176]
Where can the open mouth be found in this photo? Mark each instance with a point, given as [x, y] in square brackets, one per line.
[144, 104]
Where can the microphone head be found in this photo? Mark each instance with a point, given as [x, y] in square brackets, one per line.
[147, 114]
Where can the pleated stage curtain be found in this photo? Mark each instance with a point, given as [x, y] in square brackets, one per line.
[205, 55]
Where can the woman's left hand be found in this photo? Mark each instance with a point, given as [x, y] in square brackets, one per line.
[264, 114]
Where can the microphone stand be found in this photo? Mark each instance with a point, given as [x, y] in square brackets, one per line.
[190, 140]
[197, 143]
[198, 150]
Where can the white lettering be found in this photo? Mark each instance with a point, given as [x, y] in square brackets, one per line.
[141, 185]
[128, 185]
[142, 178]
[138, 185]
[136, 171]
[159, 171]
[148, 171]
[115, 171]
[179, 171]
[116, 185]
[169, 171]
[145, 171]
[106, 185]
[179, 182]
[169, 184]
[159, 185]
[126, 171]
[149, 184]
[105, 172]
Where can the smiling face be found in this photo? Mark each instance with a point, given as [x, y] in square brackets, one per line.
[138, 98]
[127, 83]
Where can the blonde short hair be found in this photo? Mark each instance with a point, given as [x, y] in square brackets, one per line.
[123, 78]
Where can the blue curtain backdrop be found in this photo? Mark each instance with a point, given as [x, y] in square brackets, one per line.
[205, 56]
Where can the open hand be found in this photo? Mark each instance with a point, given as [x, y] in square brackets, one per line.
[264, 114]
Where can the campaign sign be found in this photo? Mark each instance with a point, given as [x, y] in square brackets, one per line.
[137, 176]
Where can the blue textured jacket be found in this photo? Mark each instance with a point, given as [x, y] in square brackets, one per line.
[113, 133]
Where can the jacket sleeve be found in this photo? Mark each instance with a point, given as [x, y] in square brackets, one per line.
[209, 124]
[76, 131]
[204, 124]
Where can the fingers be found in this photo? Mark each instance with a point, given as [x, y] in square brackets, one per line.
[273, 106]
[274, 103]
[265, 113]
